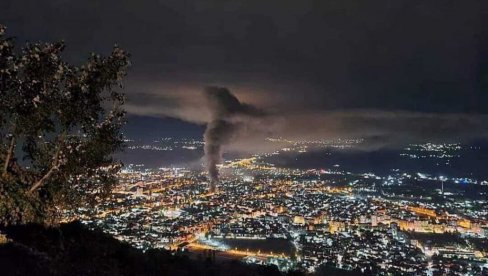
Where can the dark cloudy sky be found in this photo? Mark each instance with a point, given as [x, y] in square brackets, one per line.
[389, 70]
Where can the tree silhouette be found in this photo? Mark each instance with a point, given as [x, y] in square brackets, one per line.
[59, 126]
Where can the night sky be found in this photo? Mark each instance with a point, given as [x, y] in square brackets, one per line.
[390, 71]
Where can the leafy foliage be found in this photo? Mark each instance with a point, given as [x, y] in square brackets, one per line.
[59, 126]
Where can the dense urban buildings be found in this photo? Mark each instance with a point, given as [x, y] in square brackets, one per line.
[399, 222]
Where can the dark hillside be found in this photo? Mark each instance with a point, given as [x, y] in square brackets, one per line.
[72, 249]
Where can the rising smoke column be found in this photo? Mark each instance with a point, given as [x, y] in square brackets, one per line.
[228, 117]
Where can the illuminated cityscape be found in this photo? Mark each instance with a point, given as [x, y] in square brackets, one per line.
[238, 137]
[403, 222]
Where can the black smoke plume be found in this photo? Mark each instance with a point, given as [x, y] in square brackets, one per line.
[228, 117]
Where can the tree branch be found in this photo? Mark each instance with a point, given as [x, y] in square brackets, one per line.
[53, 169]
[43, 179]
[9, 155]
